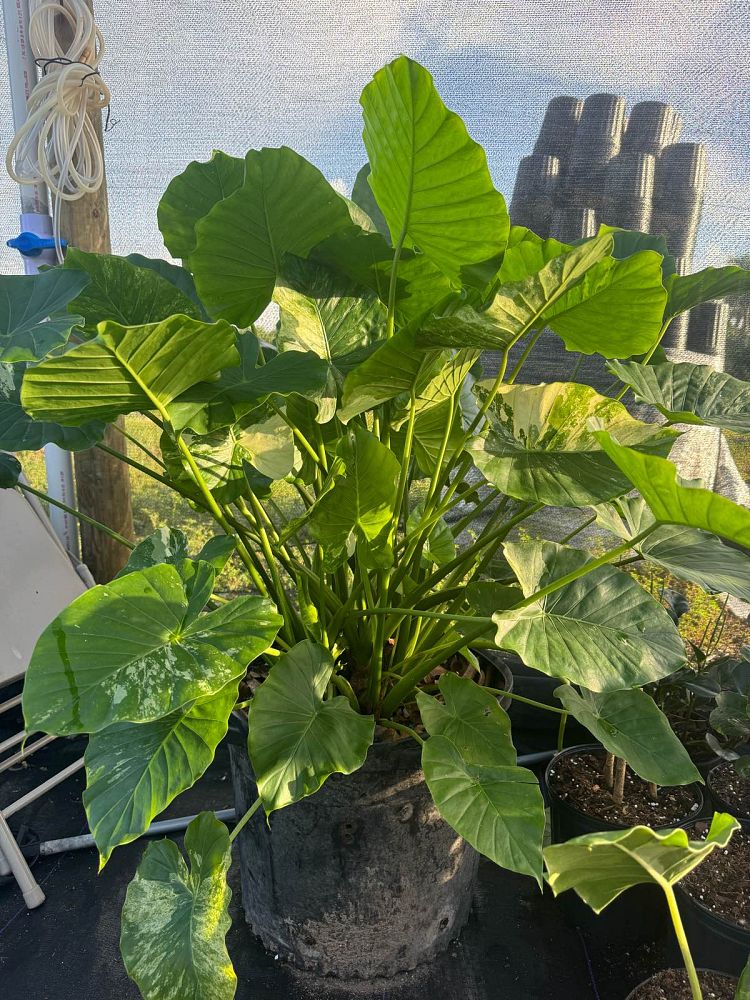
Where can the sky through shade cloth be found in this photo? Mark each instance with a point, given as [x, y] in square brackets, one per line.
[235, 74]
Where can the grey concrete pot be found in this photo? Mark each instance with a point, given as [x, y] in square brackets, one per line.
[362, 879]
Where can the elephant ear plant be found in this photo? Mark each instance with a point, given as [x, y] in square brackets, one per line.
[369, 480]
[601, 866]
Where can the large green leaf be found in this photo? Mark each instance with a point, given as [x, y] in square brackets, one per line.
[600, 866]
[471, 718]
[10, 471]
[429, 177]
[326, 314]
[398, 366]
[594, 302]
[178, 276]
[359, 507]
[689, 394]
[439, 547]
[363, 197]
[297, 738]
[33, 315]
[165, 545]
[497, 808]
[192, 194]
[330, 317]
[285, 205]
[209, 406]
[262, 439]
[126, 369]
[361, 255]
[630, 725]
[19, 432]
[138, 648]
[688, 290]
[466, 327]
[134, 770]
[689, 553]
[603, 630]
[124, 293]
[527, 253]
[537, 444]
[175, 920]
[629, 242]
[673, 500]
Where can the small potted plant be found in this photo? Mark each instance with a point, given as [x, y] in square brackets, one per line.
[331, 453]
[600, 866]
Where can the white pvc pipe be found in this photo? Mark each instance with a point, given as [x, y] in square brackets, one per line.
[35, 218]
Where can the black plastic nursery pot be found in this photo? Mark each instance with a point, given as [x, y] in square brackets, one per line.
[722, 804]
[533, 684]
[639, 915]
[638, 994]
[714, 939]
[361, 880]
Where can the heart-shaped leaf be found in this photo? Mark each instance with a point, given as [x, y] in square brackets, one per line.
[33, 315]
[594, 302]
[688, 290]
[192, 194]
[359, 508]
[326, 314]
[527, 253]
[397, 366]
[263, 439]
[471, 718]
[134, 770]
[630, 725]
[128, 368]
[629, 242]
[689, 394]
[124, 293]
[297, 738]
[673, 500]
[600, 866]
[178, 276]
[465, 328]
[175, 919]
[430, 179]
[603, 630]
[688, 553]
[498, 809]
[284, 206]
[138, 648]
[363, 197]
[165, 545]
[537, 445]
[19, 432]
[440, 546]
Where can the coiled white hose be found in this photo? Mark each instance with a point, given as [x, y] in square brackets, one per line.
[57, 145]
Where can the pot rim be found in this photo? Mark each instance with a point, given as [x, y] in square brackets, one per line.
[598, 748]
[645, 982]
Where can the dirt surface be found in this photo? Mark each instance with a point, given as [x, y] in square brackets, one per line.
[577, 779]
[673, 985]
[722, 881]
[734, 789]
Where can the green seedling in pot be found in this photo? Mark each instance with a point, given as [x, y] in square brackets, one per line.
[601, 866]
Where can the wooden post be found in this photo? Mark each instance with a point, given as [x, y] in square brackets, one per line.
[102, 482]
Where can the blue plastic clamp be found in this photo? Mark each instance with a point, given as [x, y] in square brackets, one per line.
[31, 245]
